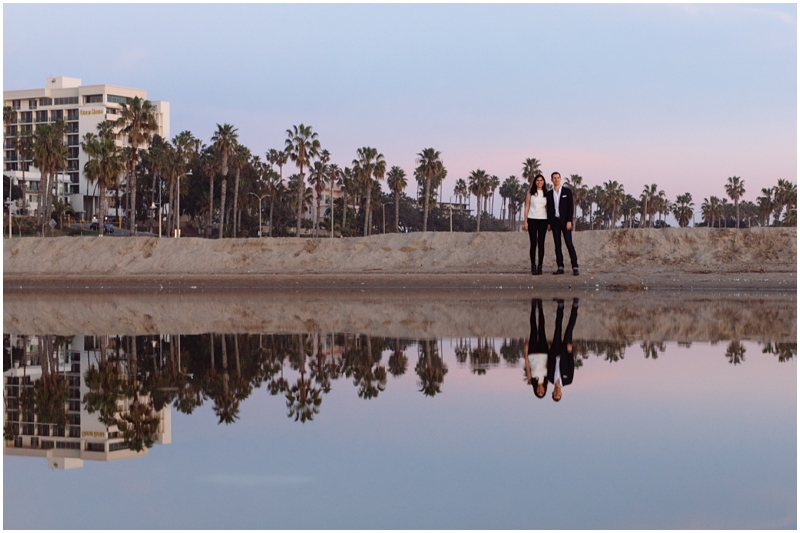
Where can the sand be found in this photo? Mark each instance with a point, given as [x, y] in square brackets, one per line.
[679, 258]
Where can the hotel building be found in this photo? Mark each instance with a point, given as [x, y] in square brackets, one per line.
[82, 108]
[84, 437]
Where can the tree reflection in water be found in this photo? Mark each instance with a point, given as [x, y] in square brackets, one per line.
[129, 380]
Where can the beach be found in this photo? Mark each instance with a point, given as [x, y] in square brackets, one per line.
[622, 259]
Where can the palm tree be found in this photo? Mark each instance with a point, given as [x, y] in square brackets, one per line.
[429, 165]
[479, 186]
[334, 173]
[509, 191]
[648, 193]
[347, 182]
[530, 169]
[614, 196]
[24, 146]
[579, 192]
[785, 197]
[494, 183]
[735, 190]
[317, 177]
[185, 148]
[396, 179]
[105, 164]
[683, 209]
[239, 159]
[368, 165]
[224, 142]
[210, 165]
[460, 190]
[137, 120]
[49, 155]
[302, 145]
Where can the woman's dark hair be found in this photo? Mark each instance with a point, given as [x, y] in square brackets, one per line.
[533, 184]
[535, 383]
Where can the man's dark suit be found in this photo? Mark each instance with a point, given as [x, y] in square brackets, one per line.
[558, 224]
[559, 347]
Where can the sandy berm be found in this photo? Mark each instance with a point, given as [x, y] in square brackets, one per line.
[673, 258]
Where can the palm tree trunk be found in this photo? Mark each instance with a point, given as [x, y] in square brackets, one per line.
[271, 206]
[331, 215]
[210, 204]
[367, 213]
[738, 222]
[478, 196]
[236, 200]
[222, 204]
[132, 187]
[396, 212]
[301, 192]
[344, 208]
[427, 197]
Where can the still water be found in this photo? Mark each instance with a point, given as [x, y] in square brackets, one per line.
[653, 413]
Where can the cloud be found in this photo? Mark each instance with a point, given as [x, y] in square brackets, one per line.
[249, 480]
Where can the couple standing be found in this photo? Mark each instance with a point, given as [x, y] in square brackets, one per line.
[550, 210]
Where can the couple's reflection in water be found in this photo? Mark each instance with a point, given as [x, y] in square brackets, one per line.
[551, 361]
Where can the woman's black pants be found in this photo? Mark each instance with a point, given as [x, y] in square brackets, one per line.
[537, 229]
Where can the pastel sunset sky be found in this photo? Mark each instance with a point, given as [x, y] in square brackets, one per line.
[679, 95]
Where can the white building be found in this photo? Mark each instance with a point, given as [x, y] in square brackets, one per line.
[82, 107]
[84, 437]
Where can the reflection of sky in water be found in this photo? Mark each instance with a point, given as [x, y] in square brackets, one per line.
[684, 441]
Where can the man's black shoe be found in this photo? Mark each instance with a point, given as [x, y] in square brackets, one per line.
[559, 271]
[575, 271]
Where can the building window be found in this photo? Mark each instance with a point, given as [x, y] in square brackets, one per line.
[74, 405]
[114, 446]
[11, 155]
[34, 442]
[93, 99]
[17, 442]
[26, 117]
[43, 430]
[75, 432]
[61, 445]
[72, 164]
[95, 447]
[72, 140]
[10, 144]
[33, 185]
[45, 101]
[32, 103]
[111, 111]
[73, 153]
[74, 189]
[72, 114]
[48, 445]
[72, 127]
[41, 116]
[11, 130]
[27, 128]
[15, 104]
[117, 99]
[69, 100]
[59, 431]
[74, 177]
[57, 114]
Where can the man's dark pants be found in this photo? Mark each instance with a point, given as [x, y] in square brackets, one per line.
[558, 230]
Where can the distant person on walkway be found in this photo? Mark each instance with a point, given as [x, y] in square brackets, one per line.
[559, 215]
[536, 221]
[560, 354]
[536, 350]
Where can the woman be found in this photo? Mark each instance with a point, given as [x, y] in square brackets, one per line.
[536, 221]
[536, 350]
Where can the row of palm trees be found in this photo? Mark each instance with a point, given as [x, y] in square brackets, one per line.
[149, 163]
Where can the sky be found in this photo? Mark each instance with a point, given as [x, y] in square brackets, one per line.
[680, 95]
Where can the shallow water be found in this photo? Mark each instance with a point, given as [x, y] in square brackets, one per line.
[689, 424]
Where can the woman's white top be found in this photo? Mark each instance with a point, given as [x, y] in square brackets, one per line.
[538, 209]
[538, 366]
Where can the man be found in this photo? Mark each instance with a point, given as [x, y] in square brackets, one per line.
[560, 352]
[559, 216]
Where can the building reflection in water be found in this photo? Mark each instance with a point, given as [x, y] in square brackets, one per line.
[71, 399]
